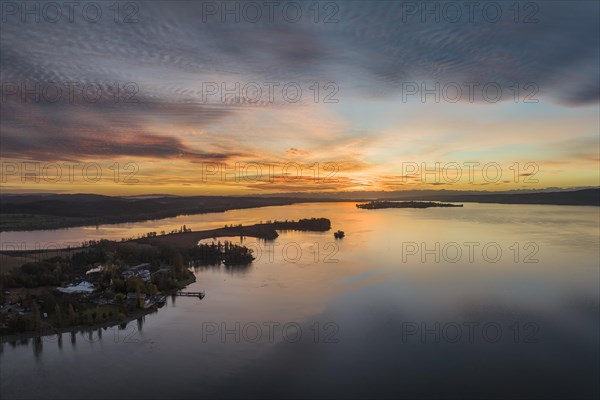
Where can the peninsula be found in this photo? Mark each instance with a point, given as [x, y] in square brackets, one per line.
[106, 283]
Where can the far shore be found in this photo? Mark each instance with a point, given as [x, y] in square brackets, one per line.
[37, 212]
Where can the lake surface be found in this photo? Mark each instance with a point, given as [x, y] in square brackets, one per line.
[487, 300]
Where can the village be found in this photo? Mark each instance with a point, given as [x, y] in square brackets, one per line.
[90, 299]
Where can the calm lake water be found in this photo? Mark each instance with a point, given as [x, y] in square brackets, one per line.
[486, 300]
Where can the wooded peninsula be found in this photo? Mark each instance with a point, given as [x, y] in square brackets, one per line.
[110, 282]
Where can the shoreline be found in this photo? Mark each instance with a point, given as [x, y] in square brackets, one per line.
[265, 231]
[75, 329]
[577, 197]
[62, 222]
[92, 327]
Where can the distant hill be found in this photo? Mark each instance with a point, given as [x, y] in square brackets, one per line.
[584, 197]
[27, 212]
[50, 211]
[421, 194]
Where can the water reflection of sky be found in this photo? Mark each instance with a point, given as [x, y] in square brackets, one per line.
[372, 291]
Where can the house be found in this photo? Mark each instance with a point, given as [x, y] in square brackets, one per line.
[81, 287]
[12, 309]
[138, 267]
[127, 274]
[144, 274]
[141, 270]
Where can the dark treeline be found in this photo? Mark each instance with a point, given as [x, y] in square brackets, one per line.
[269, 229]
[118, 256]
[217, 253]
[304, 224]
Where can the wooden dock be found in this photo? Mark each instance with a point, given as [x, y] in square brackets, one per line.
[200, 295]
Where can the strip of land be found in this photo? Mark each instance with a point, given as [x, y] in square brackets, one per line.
[266, 231]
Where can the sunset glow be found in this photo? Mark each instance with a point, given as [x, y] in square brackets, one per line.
[362, 97]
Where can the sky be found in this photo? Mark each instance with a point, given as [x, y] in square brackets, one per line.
[194, 98]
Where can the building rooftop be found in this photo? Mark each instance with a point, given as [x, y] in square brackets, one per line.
[81, 287]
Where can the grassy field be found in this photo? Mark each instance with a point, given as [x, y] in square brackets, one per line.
[30, 222]
[10, 260]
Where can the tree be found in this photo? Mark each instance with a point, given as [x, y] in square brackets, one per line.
[134, 284]
[119, 297]
[58, 314]
[37, 323]
[152, 289]
[71, 313]
[178, 264]
[138, 298]
[118, 285]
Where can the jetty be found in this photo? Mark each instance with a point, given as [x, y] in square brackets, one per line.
[200, 295]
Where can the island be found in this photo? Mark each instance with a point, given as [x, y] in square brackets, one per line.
[374, 205]
[105, 283]
[339, 234]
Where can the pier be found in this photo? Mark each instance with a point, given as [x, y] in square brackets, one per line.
[200, 295]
